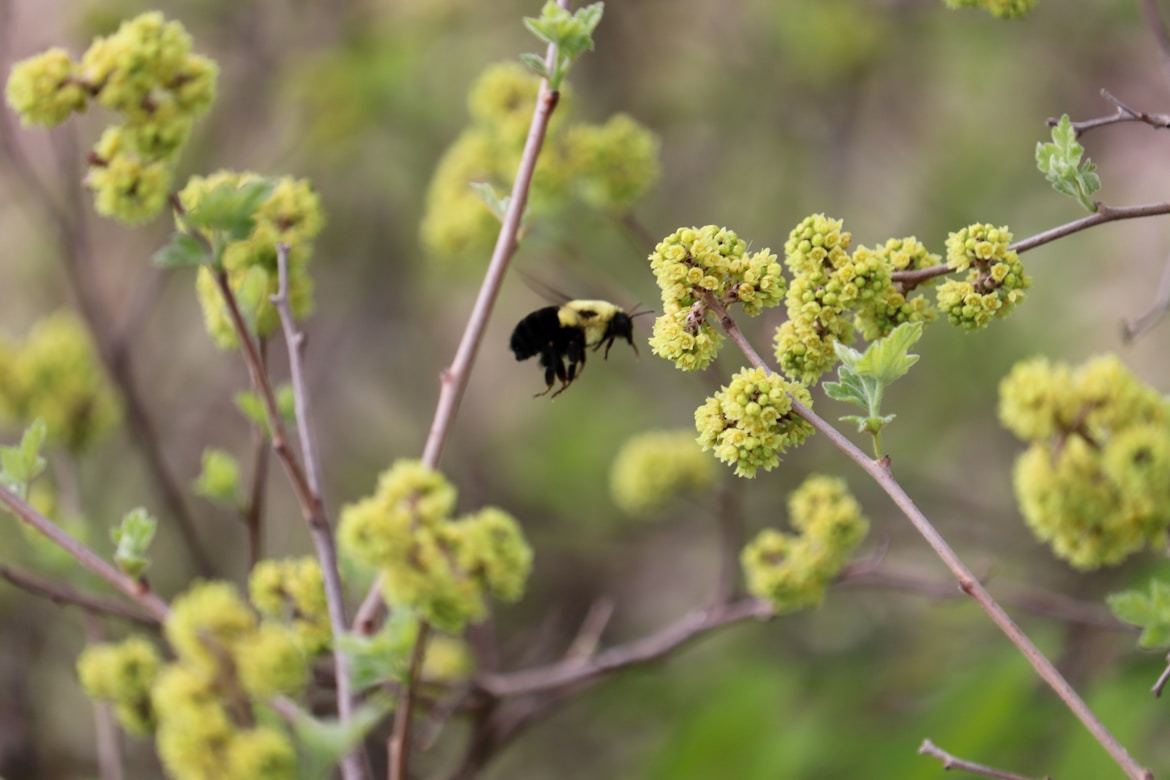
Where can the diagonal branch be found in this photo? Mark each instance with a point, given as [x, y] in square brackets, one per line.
[65, 595]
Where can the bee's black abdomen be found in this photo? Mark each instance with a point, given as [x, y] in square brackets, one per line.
[536, 332]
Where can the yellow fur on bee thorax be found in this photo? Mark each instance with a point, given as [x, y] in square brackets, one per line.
[592, 317]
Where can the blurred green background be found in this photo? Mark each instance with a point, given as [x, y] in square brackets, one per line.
[898, 116]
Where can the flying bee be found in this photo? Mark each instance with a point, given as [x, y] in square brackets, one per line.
[561, 334]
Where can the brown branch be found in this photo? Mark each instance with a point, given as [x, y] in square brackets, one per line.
[1133, 329]
[585, 644]
[308, 486]
[573, 671]
[64, 595]
[1160, 683]
[137, 591]
[1122, 114]
[880, 472]
[399, 744]
[949, 762]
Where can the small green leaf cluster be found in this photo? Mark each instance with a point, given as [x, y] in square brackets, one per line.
[122, 674]
[1151, 612]
[610, 165]
[145, 72]
[440, 567]
[21, 464]
[383, 656]
[750, 422]
[793, 571]
[654, 467]
[219, 480]
[898, 304]
[132, 538]
[865, 376]
[1095, 480]
[243, 241]
[694, 265]
[1003, 9]
[828, 285]
[54, 376]
[292, 591]
[570, 33]
[1062, 163]
[995, 281]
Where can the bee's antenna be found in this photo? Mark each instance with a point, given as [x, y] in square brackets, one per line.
[635, 313]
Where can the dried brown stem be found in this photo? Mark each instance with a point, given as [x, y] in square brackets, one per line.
[880, 472]
[137, 591]
[398, 747]
[1122, 114]
[949, 762]
[1160, 683]
[66, 596]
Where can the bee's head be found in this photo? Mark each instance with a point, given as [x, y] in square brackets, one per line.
[622, 326]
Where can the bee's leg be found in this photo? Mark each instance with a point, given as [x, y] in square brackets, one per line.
[608, 344]
[576, 356]
[554, 368]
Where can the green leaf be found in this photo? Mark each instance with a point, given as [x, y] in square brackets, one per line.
[851, 388]
[229, 209]
[496, 204]
[1063, 163]
[385, 656]
[1155, 637]
[888, 359]
[535, 63]
[1132, 607]
[219, 480]
[252, 295]
[325, 741]
[183, 251]
[572, 34]
[22, 464]
[133, 537]
[1151, 612]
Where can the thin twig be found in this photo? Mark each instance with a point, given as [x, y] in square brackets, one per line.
[1160, 683]
[572, 671]
[66, 596]
[398, 747]
[731, 538]
[137, 591]
[1121, 114]
[879, 471]
[949, 762]
[1103, 214]
[109, 747]
[1132, 329]
[353, 766]
[592, 627]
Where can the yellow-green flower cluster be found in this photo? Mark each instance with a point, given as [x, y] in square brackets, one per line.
[792, 571]
[827, 284]
[615, 163]
[995, 281]
[1095, 480]
[145, 72]
[122, 674]
[750, 422]
[440, 567]
[654, 467]
[457, 223]
[53, 375]
[693, 264]
[291, 215]
[293, 591]
[447, 660]
[896, 305]
[1004, 9]
[225, 656]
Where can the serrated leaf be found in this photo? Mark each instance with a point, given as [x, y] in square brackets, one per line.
[496, 205]
[133, 537]
[33, 439]
[888, 358]
[1155, 637]
[535, 63]
[853, 418]
[383, 657]
[219, 479]
[1132, 607]
[850, 389]
[12, 464]
[325, 741]
[183, 251]
[230, 209]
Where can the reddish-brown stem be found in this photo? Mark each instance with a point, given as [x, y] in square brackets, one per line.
[136, 590]
[64, 595]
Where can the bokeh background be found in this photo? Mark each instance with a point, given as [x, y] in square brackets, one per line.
[898, 116]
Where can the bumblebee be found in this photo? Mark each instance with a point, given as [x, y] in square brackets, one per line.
[561, 335]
